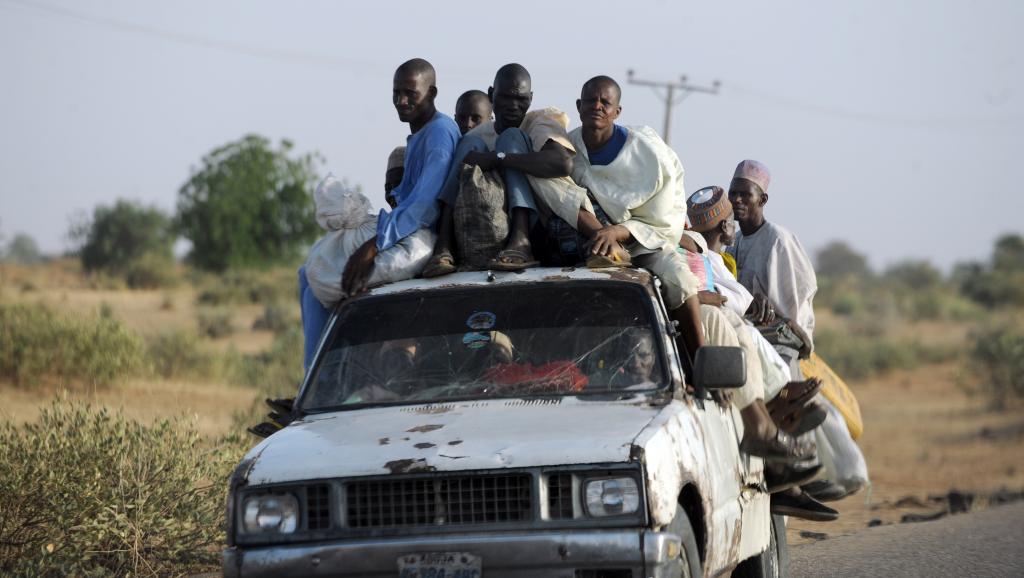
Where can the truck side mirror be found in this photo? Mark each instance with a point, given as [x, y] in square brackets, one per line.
[718, 367]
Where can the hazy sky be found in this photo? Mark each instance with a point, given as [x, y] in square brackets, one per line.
[895, 126]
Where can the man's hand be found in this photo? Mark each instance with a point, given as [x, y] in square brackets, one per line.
[608, 239]
[359, 267]
[805, 351]
[485, 160]
[711, 298]
[760, 311]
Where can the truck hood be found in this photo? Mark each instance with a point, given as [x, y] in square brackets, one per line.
[452, 436]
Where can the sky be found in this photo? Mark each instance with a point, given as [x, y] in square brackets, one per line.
[893, 126]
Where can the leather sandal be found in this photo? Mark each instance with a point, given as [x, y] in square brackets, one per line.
[780, 448]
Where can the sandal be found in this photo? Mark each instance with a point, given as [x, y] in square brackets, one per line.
[501, 263]
[616, 258]
[439, 265]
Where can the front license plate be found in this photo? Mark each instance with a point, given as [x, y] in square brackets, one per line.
[439, 565]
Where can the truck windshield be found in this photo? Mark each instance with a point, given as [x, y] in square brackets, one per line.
[565, 338]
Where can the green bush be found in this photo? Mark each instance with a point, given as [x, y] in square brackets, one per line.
[859, 355]
[36, 343]
[215, 322]
[275, 318]
[179, 354]
[119, 235]
[997, 361]
[277, 369]
[87, 493]
[240, 287]
[151, 271]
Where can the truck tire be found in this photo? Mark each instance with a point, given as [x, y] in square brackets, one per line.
[773, 562]
[688, 554]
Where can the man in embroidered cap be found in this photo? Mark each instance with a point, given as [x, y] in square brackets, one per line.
[710, 214]
[771, 262]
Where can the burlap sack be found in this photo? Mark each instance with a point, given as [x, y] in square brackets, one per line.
[481, 223]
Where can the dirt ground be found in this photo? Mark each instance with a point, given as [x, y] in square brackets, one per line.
[925, 436]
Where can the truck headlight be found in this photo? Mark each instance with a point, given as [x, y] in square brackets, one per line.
[270, 513]
[611, 496]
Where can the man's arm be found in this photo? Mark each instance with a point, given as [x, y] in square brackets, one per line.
[551, 161]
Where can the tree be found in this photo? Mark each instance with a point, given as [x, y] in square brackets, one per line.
[23, 249]
[248, 205]
[837, 260]
[117, 237]
[1008, 254]
[914, 274]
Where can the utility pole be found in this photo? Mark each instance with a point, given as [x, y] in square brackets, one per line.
[669, 97]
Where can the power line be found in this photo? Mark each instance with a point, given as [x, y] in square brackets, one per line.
[669, 98]
[194, 40]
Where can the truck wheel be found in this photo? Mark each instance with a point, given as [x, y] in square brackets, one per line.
[773, 562]
[688, 554]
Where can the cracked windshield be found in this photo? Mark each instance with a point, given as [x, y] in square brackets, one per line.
[567, 338]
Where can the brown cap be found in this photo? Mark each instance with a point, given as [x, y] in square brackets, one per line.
[707, 208]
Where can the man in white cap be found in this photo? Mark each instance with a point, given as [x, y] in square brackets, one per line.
[771, 263]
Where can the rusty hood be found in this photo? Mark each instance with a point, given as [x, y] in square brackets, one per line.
[473, 435]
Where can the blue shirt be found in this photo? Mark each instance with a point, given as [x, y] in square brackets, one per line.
[611, 149]
[428, 156]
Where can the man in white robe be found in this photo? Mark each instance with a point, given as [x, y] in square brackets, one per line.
[630, 205]
[771, 262]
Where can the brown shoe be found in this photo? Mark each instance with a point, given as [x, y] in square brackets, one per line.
[785, 477]
[781, 448]
[800, 505]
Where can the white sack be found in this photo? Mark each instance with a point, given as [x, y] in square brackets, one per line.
[844, 463]
[344, 213]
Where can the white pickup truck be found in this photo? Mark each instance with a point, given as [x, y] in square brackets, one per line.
[530, 424]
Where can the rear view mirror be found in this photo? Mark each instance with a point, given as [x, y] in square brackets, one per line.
[718, 367]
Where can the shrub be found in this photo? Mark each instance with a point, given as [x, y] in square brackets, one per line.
[239, 287]
[215, 322]
[859, 355]
[275, 318]
[277, 369]
[150, 271]
[36, 343]
[997, 359]
[87, 493]
[178, 354]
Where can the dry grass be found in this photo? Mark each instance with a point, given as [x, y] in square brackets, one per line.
[211, 404]
[62, 285]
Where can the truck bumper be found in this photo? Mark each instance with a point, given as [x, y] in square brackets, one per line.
[569, 554]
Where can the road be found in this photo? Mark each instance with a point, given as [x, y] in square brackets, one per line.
[986, 543]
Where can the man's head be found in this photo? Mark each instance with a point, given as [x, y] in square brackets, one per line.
[511, 96]
[394, 174]
[748, 191]
[414, 90]
[472, 109]
[641, 355]
[710, 214]
[598, 104]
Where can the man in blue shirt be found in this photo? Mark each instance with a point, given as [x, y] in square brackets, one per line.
[428, 156]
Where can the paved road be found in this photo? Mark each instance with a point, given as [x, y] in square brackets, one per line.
[987, 543]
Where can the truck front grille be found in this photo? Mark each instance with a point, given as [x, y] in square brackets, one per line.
[318, 507]
[457, 500]
[560, 496]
